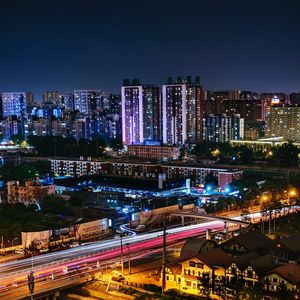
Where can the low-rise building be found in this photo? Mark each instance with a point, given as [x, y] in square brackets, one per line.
[29, 193]
[153, 152]
[287, 275]
[77, 168]
[287, 249]
[245, 243]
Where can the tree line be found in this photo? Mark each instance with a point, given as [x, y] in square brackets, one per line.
[70, 147]
[285, 155]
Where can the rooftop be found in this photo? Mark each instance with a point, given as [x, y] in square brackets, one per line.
[215, 258]
[194, 246]
[262, 264]
[292, 242]
[252, 240]
[289, 272]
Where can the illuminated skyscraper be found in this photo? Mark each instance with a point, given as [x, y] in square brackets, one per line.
[66, 101]
[283, 121]
[87, 101]
[141, 113]
[14, 104]
[182, 111]
[223, 128]
[50, 97]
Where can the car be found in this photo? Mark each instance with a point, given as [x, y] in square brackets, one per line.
[116, 265]
[44, 250]
[219, 236]
[117, 276]
[20, 251]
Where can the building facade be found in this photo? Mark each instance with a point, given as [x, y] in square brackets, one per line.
[141, 110]
[14, 104]
[77, 168]
[153, 152]
[29, 193]
[223, 128]
[283, 121]
[86, 101]
[182, 110]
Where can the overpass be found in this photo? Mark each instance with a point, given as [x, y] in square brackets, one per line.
[194, 216]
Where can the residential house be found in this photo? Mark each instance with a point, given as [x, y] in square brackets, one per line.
[288, 275]
[287, 249]
[251, 241]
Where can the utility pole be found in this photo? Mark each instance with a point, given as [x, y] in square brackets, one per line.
[164, 259]
[122, 260]
[128, 257]
[30, 279]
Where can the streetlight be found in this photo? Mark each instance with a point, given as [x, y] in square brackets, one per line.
[12, 242]
[122, 260]
[263, 198]
[129, 262]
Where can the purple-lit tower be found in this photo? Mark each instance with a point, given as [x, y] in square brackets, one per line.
[141, 113]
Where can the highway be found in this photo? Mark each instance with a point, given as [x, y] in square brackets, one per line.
[14, 273]
[99, 248]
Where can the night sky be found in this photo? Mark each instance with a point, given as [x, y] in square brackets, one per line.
[68, 44]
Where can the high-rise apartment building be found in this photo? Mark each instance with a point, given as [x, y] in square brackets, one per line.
[141, 113]
[283, 121]
[50, 97]
[182, 111]
[222, 128]
[14, 104]
[66, 101]
[250, 110]
[87, 101]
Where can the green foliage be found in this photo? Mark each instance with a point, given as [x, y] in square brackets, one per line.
[245, 154]
[127, 290]
[116, 144]
[152, 288]
[55, 204]
[75, 201]
[286, 155]
[42, 166]
[20, 173]
[211, 180]
[17, 138]
[68, 147]
[17, 217]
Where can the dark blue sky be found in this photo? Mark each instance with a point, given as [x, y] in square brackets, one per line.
[71, 44]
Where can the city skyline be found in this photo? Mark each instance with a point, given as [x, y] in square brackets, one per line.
[248, 46]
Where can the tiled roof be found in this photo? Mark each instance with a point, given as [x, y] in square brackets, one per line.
[292, 242]
[193, 246]
[251, 240]
[262, 264]
[289, 272]
[215, 258]
[243, 261]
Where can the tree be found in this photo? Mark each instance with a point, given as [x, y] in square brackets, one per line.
[245, 154]
[75, 201]
[54, 204]
[211, 180]
[20, 173]
[204, 285]
[286, 155]
[116, 144]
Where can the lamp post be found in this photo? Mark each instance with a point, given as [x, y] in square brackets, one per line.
[291, 193]
[129, 262]
[12, 242]
[122, 260]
